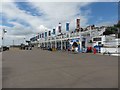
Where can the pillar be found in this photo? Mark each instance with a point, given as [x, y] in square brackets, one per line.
[65, 44]
[61, 45]
[55, 43]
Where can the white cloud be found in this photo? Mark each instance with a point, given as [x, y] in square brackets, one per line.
[13, 12]
[53, 13]
[61, 12]
[10, 36]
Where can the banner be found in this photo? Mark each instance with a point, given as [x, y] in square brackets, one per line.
[59, 28]
[38, 36]
[49, 33]
[45, 34]
[53, 31]
[78, 25]
[67, 26]
[42, 35]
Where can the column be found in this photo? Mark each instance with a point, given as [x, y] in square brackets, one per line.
[55, 43]
[51, 44]
[61, 45]
[65, 44]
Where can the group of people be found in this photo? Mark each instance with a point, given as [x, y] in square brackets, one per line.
[73, 48]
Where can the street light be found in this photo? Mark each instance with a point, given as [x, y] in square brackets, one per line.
[3, 32]
[24, 40]
[13, 43]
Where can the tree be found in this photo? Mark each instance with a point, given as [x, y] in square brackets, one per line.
[118, 24]
[110, 30]
[113, 30]
[118, 29]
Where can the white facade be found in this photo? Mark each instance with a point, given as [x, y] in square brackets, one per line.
[110, 50]
[105, 41]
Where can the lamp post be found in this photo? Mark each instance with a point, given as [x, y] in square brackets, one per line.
[23, 40]
[3, 32]
[13, 43]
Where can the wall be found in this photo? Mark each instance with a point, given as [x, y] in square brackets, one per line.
[111, 50]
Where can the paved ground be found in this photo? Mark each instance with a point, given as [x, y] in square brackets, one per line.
[45, 69]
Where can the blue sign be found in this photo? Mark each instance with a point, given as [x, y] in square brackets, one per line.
[75, 40]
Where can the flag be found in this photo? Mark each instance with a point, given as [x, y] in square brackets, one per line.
[67, 26]
[59, 28]
[53, 31]
[42, 35]
[77, 25]
[49, 33]
[45, 34]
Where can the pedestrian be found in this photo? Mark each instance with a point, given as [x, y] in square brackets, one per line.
[94, 50]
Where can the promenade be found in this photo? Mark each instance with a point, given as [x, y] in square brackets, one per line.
[45, 69]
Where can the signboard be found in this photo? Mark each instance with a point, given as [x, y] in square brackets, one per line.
[74, 40]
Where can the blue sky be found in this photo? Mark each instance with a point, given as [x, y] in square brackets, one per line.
[25, 6]
[102, 12]
[26, 19]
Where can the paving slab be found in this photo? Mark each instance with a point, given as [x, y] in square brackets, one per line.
[45, 69]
